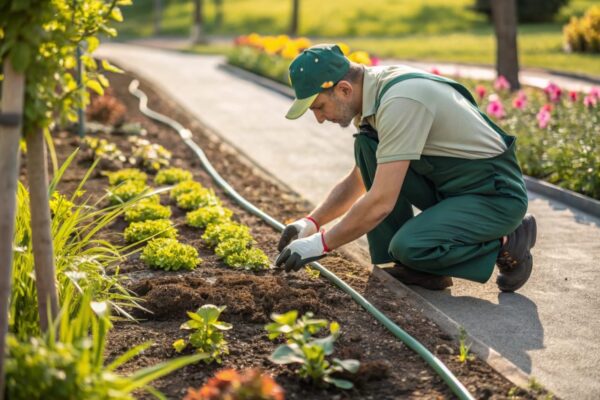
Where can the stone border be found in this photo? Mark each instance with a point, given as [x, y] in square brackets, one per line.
[553, 192]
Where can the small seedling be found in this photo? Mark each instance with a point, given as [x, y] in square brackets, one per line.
[170, 255]
[312, 273]
[464, 355]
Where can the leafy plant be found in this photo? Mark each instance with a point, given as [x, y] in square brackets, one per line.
[249, 384]
[250, 259]
[171, 176]
[184, 187]
[126, 191]
[109, 155]
[583, 34]
[68, 362]
[170, 255]
[204, 216]
[217, 233]
[207, 336]
[302, 348]
[197, 198]
[463, 348]
[151, 156]
[143, 230]
[147, 209]
[126, 175]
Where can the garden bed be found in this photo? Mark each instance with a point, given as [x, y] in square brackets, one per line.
[389, 370]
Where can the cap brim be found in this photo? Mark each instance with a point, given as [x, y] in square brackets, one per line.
[300, 106]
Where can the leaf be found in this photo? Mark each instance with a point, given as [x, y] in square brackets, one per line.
[92, 44]
[210, 313]
[143, 377]
[103, 81]
[111, 68]
[224, 326]
[116, 14]
[349, 365]
[325, 343]
[95, 86]
[20, 56]
[179, 345]
[285, 354]
[341, 383]
[289, 318]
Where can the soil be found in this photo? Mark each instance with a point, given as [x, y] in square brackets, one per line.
[389, 370]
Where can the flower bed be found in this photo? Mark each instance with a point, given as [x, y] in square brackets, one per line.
[558, 130]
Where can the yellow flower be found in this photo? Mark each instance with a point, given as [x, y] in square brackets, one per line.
[344, 47]
[290, 51]
[361, 57]
[302, 43]
[327, 85]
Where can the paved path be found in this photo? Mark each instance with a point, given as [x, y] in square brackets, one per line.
[549, 329]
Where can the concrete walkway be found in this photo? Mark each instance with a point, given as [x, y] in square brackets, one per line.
[549, 329]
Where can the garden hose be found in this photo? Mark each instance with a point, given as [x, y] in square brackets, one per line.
[453, 383]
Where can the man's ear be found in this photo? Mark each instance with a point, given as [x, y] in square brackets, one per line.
[344, 89]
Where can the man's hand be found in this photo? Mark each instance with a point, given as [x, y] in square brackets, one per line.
[297, 230]
[302, 251]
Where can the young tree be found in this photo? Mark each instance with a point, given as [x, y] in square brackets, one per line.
[504, 15]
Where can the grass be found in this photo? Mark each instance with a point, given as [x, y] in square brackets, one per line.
[432, 30]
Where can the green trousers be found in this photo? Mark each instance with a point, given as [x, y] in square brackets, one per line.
[466, 207]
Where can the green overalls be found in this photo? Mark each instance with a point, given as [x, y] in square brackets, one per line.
[467, 205]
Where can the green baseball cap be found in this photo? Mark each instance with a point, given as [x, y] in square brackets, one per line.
[315, 69]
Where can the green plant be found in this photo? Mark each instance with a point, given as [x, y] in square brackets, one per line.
[171, 176]
[146, 209]
[151, 156]
[170, 255]
[126, 175]
[60, 206]
[185, 187]
[143, 230]
[217, 233]
[100, 149]
[207, 336]
[198, 198]
[250, 259]
[463, 355]
[126, 191]
[68, 362]
[312, 273]
[302, 348]
[583, 34]
[204, 216]
[249, 384]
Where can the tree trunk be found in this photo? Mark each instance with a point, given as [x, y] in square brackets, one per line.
[218, 13]
[41, 234]
[504, 15]
[157, 16]
[197, 36]
[295, 18]
[13, 94]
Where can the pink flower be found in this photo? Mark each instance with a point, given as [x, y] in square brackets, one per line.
[501, 83]
[520, 102]
[553, 92]
[375, 61]
[544, 116]
[481, 91]
[590, 101]
[595, 92]
[573, 96]
[435, 71]
[496, 109]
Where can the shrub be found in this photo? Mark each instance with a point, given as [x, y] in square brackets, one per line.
[170, 255]
[147, 209]
[125, 175]
[159, 228]
[583, 34]
[231, 384]
[110, 156]
[126, 191]
[197, 198]
[527, 10]
[150, 156]
[217, 233]
[204, 216]
[250, 259]
[207, 336]
[185, 187]
[171, 176]
[231, 246]
[106, 109]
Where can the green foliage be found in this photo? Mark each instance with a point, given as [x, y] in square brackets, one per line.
[310, 352]
[144, 230]
[207, 336]
[171, 176]
[102, 149]
[146, 209]
[464, 348]
[198, 198]
[205, 216]
[170, 255]
[69, 362]
[151, 156]
[127, 174]
[259, 62]
[583, 34]
[60, 207]
[126, 191]
[528, 10]
[40, 39]
[231, 246]
[250, 259]
[185, 187]
[217, 233]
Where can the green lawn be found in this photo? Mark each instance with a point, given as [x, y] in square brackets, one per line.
[436, 30]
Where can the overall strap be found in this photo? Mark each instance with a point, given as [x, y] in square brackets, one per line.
[457, 86]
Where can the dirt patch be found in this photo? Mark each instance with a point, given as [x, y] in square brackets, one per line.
[389, 369]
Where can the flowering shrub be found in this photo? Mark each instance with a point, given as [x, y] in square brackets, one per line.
[234, 385]
[171, 176]
[159, 228]
[126, 191]
[150, 156]
[100, 149]
[583, 34]
[170, 255]
[198, 198]
[127, 174]
[146, 209]
[204, 216]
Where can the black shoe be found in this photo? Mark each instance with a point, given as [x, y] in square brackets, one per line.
[410, 276]
[515, 260]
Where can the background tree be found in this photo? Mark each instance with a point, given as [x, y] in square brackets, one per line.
[197, 36]
[157, 16]
[294, 23]
[218, 13]
[504, 15]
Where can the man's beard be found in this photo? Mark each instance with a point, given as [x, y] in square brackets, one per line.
[345, 111]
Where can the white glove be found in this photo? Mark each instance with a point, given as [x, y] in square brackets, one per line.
[297, 230]
[302, 251]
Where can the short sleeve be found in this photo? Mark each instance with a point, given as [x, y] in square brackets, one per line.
[403, 126]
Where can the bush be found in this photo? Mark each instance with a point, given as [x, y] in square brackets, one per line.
[159, 228]
[127, 174]
[150, 156]
[583, 34]
[106, 109]
[527, 10]
[205, 216]
[197, 198]
[217, 233]
[171, 176]
[185, 187]
[126, 191]
[147, 209]
[170, 255]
